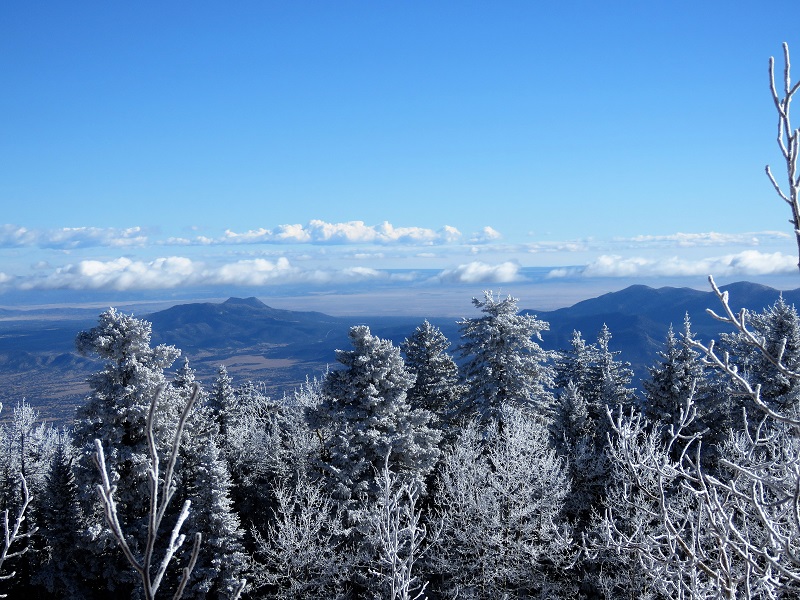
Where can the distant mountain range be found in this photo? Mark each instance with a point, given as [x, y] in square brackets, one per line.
[281, 347]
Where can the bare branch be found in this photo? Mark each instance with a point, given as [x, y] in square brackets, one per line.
[788, 140]
[11, 530]
[158, 507]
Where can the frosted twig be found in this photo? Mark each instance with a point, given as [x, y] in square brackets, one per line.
[788, 141]
[11, 530]
[739, 321]
[158, 507]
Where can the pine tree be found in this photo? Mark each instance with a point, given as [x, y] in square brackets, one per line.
[370, 416]
[678, 376]
[222, 562]
[774, 324]
[575, 365]
[436, 387]
[115, 412]
[61, 522]
[503, 363]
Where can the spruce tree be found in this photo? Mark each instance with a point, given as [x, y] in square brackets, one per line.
[779, 328]
[370, 416]
[60, 525]
[222, 562]
[436, 386]
[503, 364]
[678, 376]
[115, 412]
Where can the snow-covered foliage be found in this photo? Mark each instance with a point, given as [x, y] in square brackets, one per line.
[778, 328]
[503, 363]
[304, 552]
[499, 498]
[369, 415]
[398, 538]
[436, 386]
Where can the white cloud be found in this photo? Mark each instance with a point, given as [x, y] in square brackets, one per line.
[258, 271]
[710, 238]
[124, 274]
[118, 274]
[480, 272]
[551, 247]
[351, 232]
[485, 235]
[748, 262]
[68, 238]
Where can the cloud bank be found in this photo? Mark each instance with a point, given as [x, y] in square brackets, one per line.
[68, 238]
[480, 272]
[711, 238]
[746, 263]
[125, 274]
[321, 232]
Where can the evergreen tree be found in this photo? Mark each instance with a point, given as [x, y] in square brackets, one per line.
[222, 562]
[115, 412]
[578, 442]
[613, 375]
[773, 325]
[60, 525]
[436, 387]
[593, 381]
[503, 363]
[576, 365]
[206, 482]
[677, 376]
[370, 416]
[222, 400]
[600, 380]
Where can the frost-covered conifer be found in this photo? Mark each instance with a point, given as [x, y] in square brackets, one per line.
[436, 386]
[676, 376]
[575, 365]
[115, 412]
[60, 526]
[614, 375]
[206, 482]
[579, 442]
[222, 562]
[592, 380]
[503, 363]
[222, 400]
[774, 324]
[369, 414]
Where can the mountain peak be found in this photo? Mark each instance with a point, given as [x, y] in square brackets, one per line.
[252, 302]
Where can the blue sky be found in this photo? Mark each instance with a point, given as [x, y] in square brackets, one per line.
[168, 147]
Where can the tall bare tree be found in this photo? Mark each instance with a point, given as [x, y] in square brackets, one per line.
[788, 141]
